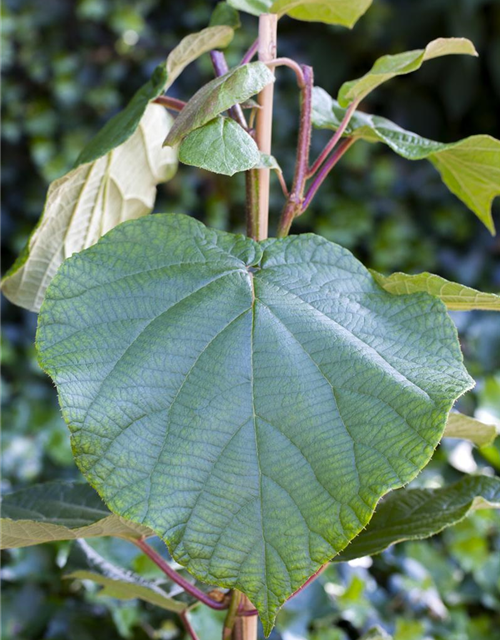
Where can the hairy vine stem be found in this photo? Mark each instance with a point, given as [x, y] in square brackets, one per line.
[325, 170]
[333, 140]
[293, 205]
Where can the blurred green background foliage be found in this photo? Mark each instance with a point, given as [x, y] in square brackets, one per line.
[68, 66]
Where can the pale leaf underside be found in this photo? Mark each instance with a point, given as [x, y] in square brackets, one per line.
[457, 297]
[129, 589]
[89, 201]
[467, 428]
[249, 402]
[60, 511]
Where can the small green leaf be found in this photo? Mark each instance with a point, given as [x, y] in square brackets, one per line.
[254, 7]
[221, 146]
[470, 168]
[217, 96]
[225, 15]
[97, 195]
[342, 12]
[389, 67]
[128, 586]
[460, 426]
[193, 46]
[457, 297]
[267, 162]
[250, 402]
[413, 514]
[60, 511]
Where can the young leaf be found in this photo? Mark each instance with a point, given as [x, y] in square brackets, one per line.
[129, 590]
[342, 12]
[217, 96]
[456, 297]
[221, 146]
[193, 46]
[60, 511]
[224, 14]
[115, 180]
[470, 168]
[460, 426]
[254, 7]
[250, 402]
[400, 64]
[413, 514]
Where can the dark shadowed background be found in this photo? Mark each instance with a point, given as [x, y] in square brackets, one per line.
[68, 66]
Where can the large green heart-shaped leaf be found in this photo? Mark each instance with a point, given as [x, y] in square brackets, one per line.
[221, 146]
[343, 12]
[470, 168]
[115, 179]
[60, 511]
[250, 402]
[400, 64]
[217, 96]
[413, 514]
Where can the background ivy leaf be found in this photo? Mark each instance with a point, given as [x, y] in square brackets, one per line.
[193, 46]
[221, 146]
[60, 511]
[456, 297]
[470, 168]
[343, 12]
[376, 633]
[224, 14]
[413, 514]
[250, 402]
[461, 426]
[389, 67]
[217, 96]
[96, 195]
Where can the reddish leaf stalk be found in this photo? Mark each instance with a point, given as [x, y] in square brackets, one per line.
[325, 170]
[188, 626]
[178, 579]
[170, 103]
[293, 206]
[291, 64]
[333, 140]
[251, 52]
